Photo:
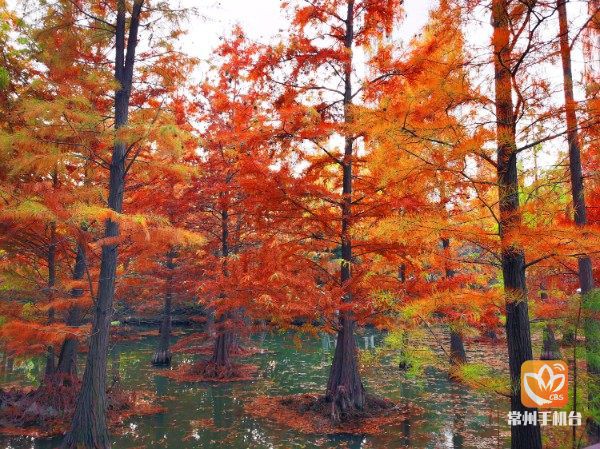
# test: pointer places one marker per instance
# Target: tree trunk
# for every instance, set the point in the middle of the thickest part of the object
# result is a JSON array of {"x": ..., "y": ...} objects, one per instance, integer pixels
[
  {"x": 162, "y": 356},
  {"x": 586, "y": 278},
  {"x": 221, "y": 349},
  {"x": 513, "y": 259},
  {"x": 51, "y": 259},
  {"x": 67, "y": 360},
  {"x": 89, "y": 426},
  {"x": 402, "y": 273},
  {"x": 458, "y": 355},
  {"x": 222, "y": 344},
  {"x": 550, "y": 346},
  {"x": 405, "y": 363},
  {"x": 345, "y": 390}
]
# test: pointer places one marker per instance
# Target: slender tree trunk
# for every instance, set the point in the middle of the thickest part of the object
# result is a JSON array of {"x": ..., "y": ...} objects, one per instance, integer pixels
[
  {"x": 89, "y": 426},
  {"x": 550, "y": 346},
  {"x": 162, "y": 356},
  {"x": 458, "y": 355},
  {"x": 586, "y": 277},
  {"x": 222, "y": 343},
  {"x": 51, "y": 259},
  {"x": 345, "y": 390},
  {"x": 67, "y": 360},
  {"x": 513, "y": 259},
  {"x": 402, "y": 273},
  {"x": 404, "y": 364}
]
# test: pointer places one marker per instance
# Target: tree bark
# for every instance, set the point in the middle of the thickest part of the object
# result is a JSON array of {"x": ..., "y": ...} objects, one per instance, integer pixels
[
  {"x": 67, "y": 360},
  {"x": 222, "y": 344},
  {"x": 550, "y": 346},
  {"x": 585, "y": 272},
  {"x": 162, "y": 356},
  {"x": 89, "y": 427},
  {"x": 458, "y": 355},
  {"x": 221, "y": 349},
  {"x": 345, "y": 390},
  {"x": 51, "y": 259},
  {"x": 513, "y": 259}
]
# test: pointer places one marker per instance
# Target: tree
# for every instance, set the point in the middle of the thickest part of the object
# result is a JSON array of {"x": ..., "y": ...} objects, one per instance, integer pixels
[
  {"x": 57, "y": 123},
  {"x": 423, "y": 150},
  {"x": 120, "y": 26},
  {"x": 513, "y": 258},
  {"x": 235, "y": 135},
  {"x": 318, "y": 88},
  {"x": 89, "y": 422},
  {"x": 585, "y": 272},
  {"x": 160, "y": 262}
]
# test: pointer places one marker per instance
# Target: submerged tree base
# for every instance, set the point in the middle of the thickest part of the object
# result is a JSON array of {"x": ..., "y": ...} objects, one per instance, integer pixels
[
  {"x": 197, "y": 344},
  {"x": 207, "y": 371},
  {"x": 46, "y": 411},
  {"x": 311, "y": 413},
  {"x": 208, "y": 349},
  {"x": 161, "y": 358}
]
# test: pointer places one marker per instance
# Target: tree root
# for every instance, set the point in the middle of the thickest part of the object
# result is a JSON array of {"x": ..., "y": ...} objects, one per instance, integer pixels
[
  {"x": 161, "y": 358},
  {"x": 47, "y": 410},
  {"x": 207, "y": 371},
  {"x": 311, "y": 413}
]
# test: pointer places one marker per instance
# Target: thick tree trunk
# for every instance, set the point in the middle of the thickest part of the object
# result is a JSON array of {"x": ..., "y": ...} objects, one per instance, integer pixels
[
  {"x": 586, "y": 278},
  {"x": 89, "y": 426},
  {"x": 162, "y": 356},
  {"x": 345, "y": 390},
  {"x": 513, "y": 259},
  {"x": 221, "y": 349},
  {"x": 67, "y": 360}
]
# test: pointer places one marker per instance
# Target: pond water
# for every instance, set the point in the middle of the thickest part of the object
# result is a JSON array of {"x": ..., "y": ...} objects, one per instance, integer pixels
[{"x": 212, "y": 416}]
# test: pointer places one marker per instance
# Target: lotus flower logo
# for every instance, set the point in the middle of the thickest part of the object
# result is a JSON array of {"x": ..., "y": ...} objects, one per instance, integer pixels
[{"x": 544, "y": 383}]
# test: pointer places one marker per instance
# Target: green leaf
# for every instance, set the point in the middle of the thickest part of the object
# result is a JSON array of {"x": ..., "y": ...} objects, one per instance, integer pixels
[{"x": 4, "y": 78}]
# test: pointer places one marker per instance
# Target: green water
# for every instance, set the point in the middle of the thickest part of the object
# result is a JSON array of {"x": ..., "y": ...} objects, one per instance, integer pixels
[{"x": 212, "y": 416}]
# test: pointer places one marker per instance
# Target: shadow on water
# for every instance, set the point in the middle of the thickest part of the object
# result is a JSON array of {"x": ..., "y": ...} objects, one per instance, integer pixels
[{"x": 211, "y": 416}]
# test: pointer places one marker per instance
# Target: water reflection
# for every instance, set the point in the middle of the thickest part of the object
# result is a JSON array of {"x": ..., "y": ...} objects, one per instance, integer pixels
[{"x": 211, "y": 416}]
